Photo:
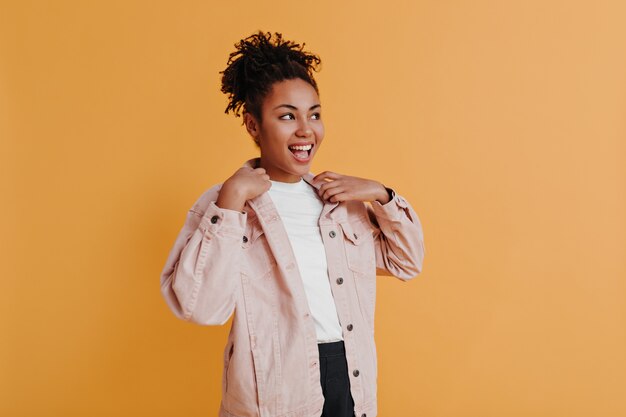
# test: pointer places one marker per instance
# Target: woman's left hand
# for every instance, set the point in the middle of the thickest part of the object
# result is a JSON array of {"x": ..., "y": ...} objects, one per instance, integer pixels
[{"x": 337, "y": 187}]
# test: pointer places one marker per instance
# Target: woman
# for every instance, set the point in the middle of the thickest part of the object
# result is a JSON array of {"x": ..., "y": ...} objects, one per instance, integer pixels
[{"x": 292, "y": 255}]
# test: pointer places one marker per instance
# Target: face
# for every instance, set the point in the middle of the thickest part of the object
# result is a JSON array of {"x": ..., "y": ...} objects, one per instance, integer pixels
[{"x": 291, "y": 129}]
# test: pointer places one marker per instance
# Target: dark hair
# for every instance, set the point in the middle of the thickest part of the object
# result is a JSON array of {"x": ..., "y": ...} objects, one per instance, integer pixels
[{"x": 258, "y": 63}]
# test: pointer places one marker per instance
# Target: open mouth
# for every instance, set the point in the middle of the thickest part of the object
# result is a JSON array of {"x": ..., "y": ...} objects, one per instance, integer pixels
[{"x": 301, "y": 152}]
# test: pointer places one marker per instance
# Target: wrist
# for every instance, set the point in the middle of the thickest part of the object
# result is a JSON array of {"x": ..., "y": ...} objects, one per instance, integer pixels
[
  {"x": 385, "y": 195},
  {"x": 230, "y": 198}
]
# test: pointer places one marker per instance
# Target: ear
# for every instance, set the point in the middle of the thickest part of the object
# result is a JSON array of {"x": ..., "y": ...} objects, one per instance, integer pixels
[{"x": 252, "y": 126}]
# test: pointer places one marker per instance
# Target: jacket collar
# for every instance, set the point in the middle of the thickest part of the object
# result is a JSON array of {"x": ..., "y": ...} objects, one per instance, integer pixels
[
  {"x": 263, "y": 203},
  {"x": 308, "y": 177}
]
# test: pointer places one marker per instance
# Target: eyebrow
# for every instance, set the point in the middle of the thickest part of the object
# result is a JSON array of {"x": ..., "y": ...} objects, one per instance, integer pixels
[{"x": 292, "y": 107}]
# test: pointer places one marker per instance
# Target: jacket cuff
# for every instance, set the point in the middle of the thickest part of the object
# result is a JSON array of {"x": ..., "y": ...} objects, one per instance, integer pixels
[
  {"x": 392, "y": 210},
  {"x": 217, "y": 220}
]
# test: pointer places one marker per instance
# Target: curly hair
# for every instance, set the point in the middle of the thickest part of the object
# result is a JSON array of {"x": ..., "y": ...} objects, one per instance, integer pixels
[{"x": 260, "y": 61}]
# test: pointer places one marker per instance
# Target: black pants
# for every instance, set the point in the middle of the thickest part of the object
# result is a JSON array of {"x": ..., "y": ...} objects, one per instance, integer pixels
[{"x": 335, "y": 381}]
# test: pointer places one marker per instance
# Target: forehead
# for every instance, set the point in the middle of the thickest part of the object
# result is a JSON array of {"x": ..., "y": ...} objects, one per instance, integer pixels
[{"x": 296, "y": 92}]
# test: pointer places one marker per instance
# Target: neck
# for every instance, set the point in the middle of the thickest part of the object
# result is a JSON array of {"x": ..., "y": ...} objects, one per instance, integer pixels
[{"x": 277, "y": 174}]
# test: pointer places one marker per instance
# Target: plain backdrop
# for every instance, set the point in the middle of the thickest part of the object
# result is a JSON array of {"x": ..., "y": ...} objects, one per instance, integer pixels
[{"x": 502, "y": 122}]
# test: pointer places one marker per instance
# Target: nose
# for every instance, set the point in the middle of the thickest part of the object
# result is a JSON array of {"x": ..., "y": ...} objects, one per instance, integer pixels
[{"x": 304, "y": 130}]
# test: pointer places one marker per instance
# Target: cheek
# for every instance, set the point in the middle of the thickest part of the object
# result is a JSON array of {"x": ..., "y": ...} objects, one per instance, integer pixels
[
  {"x": 275, "y": 138},
  {"x": 319, "y": 132}
]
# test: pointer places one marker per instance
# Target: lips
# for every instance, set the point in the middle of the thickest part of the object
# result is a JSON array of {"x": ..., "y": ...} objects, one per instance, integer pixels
[{"x": 301, "y": 151}]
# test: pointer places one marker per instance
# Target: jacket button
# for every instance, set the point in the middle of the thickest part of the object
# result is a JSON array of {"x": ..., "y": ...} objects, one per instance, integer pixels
[
  {"x": 363, "y": 415},
  {"x": 339, "y": 280},
  {"x": 332, "y": 233},
  {"x": 245, "y": 239},
  {"x": 214, "y": 219},
  {"x": 355, "y": 372},
  {"x": 349, "y": 327}
]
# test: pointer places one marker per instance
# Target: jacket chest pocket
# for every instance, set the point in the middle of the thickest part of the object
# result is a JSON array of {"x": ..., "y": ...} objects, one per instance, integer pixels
[
  {"x": 257, "y": 258},
  {"x": 359, "y": 245}
]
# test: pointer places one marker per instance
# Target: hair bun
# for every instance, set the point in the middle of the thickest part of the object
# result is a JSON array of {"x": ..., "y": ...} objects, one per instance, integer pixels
[{"x": 259, "y": 61}]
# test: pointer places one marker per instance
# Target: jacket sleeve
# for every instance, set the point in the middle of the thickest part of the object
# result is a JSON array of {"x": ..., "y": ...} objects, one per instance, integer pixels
[
  {"x": 200, "y": 276},
  {"x": 400, "y": 242}
]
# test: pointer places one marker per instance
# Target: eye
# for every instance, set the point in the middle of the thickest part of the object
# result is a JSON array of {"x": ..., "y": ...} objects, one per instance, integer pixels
[
  {"x": 316, "y": 116},
  {"x": 288, "y": 116}
]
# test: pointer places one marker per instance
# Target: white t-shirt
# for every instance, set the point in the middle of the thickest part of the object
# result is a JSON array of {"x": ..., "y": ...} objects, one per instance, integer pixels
[{"x": 300, "y": 207}]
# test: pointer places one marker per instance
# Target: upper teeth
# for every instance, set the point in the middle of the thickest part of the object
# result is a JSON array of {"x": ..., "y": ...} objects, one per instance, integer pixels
[{"x": 301, "y": 147}]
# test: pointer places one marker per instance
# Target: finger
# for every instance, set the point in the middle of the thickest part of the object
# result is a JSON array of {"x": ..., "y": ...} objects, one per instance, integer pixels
[
  {"x": 328, "y": 185},
  {"x": 337, "y": 198},
  {"x": 333, "y": 191},
  {"x": 327, "y": 174},
  {"x": 259, "y": 170}
]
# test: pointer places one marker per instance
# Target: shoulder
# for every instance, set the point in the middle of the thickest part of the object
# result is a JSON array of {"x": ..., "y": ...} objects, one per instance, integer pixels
[{"x": 202, "y": 203}]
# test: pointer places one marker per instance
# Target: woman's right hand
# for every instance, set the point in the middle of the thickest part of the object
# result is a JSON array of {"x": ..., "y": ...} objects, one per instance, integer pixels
[{"x": 245, "y": 184}]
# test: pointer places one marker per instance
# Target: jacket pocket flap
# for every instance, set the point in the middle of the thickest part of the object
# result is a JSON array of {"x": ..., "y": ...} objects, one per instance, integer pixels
[{"x": 356, "y": 232}]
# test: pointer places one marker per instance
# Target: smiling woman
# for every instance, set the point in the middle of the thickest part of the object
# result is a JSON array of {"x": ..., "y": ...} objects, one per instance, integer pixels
[
  {"x": 291, "y": 130},
  {"x": 272, "y": 80},
  {"x": 293, "y": 256}
]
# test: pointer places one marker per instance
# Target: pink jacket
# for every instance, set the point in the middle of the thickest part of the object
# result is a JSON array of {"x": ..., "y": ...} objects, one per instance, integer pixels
[{"x": 225, "y": 261}]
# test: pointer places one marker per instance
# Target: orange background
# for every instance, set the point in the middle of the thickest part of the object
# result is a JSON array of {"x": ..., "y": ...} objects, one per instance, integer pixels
[{"x": 502, "y": 122}]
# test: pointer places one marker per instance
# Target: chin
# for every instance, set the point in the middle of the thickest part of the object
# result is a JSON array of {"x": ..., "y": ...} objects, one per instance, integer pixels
[{"x": 303, "y": 169}]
